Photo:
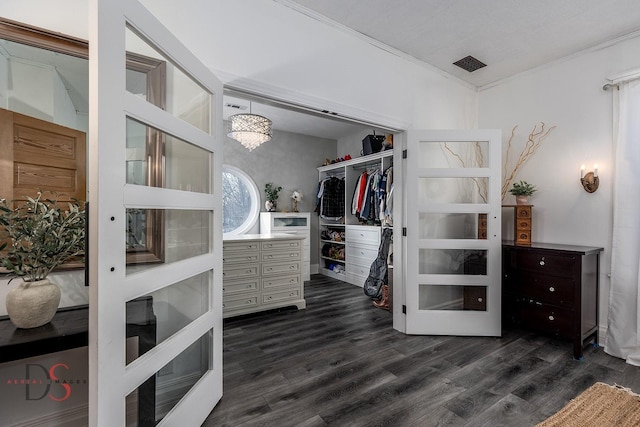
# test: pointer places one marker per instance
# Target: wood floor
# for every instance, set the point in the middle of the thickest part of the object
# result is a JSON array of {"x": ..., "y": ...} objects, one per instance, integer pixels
[{"x": 339, "y": 362}]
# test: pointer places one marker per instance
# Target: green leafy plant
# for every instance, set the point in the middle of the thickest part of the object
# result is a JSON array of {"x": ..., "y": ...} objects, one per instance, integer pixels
[
  {"x": 271, "y": 191},
  {"x": 38, "y": 236},
  {"x": 522, "y": 188}
]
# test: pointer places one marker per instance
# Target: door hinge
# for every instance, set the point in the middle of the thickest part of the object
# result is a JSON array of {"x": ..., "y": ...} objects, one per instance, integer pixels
[
  {"x": 404, "y": 154},
  {"x": 404, "y": 309},
  {"x": 404, "y": 231}
]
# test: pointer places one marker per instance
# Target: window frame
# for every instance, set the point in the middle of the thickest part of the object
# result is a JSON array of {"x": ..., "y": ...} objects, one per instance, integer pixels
[{"x": 254, "y": 214}]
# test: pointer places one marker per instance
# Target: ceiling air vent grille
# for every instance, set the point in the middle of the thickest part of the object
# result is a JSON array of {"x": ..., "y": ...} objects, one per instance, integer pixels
[{"x": 470, "y": 64}]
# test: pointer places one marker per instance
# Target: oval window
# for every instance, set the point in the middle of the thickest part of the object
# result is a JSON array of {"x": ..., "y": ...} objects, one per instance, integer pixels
[{"x": 240, "y": 201}]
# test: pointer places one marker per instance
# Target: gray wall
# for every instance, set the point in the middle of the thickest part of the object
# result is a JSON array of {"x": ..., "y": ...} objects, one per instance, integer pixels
[{"x": 289, "y": 160}]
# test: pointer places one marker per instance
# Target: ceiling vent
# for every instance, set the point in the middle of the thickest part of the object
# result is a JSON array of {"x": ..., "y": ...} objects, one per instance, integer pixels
[
  {"x": 469, "y": 64},
  {"x": 235, "y": 106}
]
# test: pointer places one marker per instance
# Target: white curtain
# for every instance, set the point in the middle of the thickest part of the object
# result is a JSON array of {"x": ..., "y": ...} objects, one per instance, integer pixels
[{"x": 623, "y": 336}]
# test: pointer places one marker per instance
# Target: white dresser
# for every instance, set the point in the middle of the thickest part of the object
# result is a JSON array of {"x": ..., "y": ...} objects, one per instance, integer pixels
[
  {"x": 293, "y": 223},
  {"x": 262, "y": 272}
]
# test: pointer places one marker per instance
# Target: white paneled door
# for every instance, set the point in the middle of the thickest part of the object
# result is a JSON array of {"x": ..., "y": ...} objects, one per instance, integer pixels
[
  {"x": 453, "y": 236},
  {"x": 155, "y": 340}
]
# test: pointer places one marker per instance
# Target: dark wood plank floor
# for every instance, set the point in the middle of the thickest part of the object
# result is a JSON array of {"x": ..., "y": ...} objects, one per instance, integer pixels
[{"x": 339, "y": 362}]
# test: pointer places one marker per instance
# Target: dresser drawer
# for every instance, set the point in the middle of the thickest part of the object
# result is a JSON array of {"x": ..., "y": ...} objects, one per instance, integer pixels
[
  {"x": 361, "y": 252},
  {"x": 557, "y": 265},
  {"x": 362, "y": 234},
  {"x": 281, "y": 245},
  {"x": 242, "y": 286},
  {"x": 229, "y": 258},
  {"x": 239, "y": 271},
  {"x": 280, "y": 256},
  {"x": 279, "y": 282},
  {"x": 238, "y": 302},
  {"x": 551, "y": 289},
  {"x": 281, "y": 267},
  {"x": 358, "y": 270},
  {"x": 234, "y": 247},
  {"x": 542, "y": 317},
  {"x": 280, "y": 296}
]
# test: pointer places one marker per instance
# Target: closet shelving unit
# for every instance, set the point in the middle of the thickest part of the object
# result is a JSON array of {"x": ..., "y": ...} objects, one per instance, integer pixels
[{"x": 360, "y": 243}]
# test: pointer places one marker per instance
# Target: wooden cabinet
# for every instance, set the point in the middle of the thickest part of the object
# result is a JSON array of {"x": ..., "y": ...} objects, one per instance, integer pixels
[
  {"x": 262, "y": 272},
  {"x": 292, "y": 223},
  {"x": 553, "y": 289}
]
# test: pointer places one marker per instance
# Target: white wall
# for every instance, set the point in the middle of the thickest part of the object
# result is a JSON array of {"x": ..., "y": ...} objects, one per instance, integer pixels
[{"x": 569, "y": 95}]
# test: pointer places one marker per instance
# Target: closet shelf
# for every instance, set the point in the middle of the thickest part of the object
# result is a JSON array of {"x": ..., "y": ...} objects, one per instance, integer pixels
[
  {"x": 333, "y": 241},
  {"x": 332, "y": 259}
]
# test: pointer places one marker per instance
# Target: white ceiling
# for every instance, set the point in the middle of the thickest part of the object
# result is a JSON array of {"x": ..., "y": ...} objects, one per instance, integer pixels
[{"x": 510, "y": 36}]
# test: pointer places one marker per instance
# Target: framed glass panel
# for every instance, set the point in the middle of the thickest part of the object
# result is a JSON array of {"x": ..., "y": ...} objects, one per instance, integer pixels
[
  {"x": 453, "y": 297},
  {"x": 184, "y": 166},
  {"x": 185, "y": 98},
  {"x": 164, "y": 312},
  {"x": 186, "y": 235},
  {"x": 453, "y": 154},
  {"x": 149, "y": 403},
  {"x": 452, "y": 261},
  {"x": 452, "y": 226},
  {"x": 452, "y": 190}
]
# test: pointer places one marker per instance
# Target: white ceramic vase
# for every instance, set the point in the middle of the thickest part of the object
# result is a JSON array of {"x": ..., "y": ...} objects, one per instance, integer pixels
[{"x": 33, "y": 304}]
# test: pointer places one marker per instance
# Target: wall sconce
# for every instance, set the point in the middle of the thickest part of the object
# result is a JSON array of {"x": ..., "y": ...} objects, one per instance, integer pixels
[{"x": 590, "y": 180}]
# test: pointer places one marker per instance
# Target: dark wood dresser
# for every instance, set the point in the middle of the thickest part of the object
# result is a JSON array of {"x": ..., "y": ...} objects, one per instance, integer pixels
[{"x": 552, "y": 288}]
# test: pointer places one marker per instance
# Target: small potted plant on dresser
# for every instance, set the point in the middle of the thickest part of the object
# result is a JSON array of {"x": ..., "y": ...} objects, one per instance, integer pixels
[
  {"x": 271, "y": 193},
  {"x": 522, "y": 190},
  {"x": 37, "y": 236}
]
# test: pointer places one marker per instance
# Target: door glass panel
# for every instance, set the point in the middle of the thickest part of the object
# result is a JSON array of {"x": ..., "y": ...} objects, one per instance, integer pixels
[
  {"x": 185, "y": 98},
  {"x": 157, "y": 159},
  {"x": 452, "y": 261},
  {"x": 452, "y": 226},
  {"x": 150, "y": 402},
  {"x": 186, "y": 235},
  {"x": 453, "y": 154},
  {"x": 289, "y": 222},
  {"x": 448, "y": 297},
  {"x": 452, "y": 190},
  {"x": 158, "y": 315}
]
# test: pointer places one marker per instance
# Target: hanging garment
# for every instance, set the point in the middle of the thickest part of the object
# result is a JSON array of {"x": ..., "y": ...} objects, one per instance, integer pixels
[
  {"x": 331, "y": 197},
  {"x": 379, "y": 271}
]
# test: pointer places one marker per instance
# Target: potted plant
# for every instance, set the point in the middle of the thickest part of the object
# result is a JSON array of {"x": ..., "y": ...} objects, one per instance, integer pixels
[
  {"x": 522, "y": 190},
  {"x": 37, "y": 236},
  {"x": 271, "y": 193}
]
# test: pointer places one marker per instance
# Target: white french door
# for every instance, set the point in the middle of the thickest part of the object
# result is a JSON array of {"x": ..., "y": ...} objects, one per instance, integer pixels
[
  {"x": 453, "y": 235},
  {"x": 155, "y": 238}
]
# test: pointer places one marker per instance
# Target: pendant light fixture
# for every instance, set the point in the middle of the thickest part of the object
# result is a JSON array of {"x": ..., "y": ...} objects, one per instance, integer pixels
[{"x": 250, "y": 130}]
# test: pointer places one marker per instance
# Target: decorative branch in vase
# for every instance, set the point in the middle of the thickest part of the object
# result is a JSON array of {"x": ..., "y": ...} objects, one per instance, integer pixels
[{"x": 476, "y": 158}]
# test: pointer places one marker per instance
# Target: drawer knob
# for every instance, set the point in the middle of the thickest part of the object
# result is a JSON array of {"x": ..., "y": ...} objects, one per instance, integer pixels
[
  {"x": 222, "y": 289},
  {"x": 542, "y": 262},
  {"x": 270, "y": 298},
  {"x": 248, "y": 287},
  {"x": 479, "y": 299},
  {"x": 292, "y": 244},
  {"x": 291, "y": 267},
  {"x": 552, "y": 289},
  {"x": 248, "y": 271},
  {"x": 270, "y": 269},
  {"x": 551, "y": 318},
  {"x": 248, "y": 301}
]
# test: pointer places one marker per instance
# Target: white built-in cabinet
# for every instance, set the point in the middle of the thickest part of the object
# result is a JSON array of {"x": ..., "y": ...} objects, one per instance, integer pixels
[
  {"x": 346, "y": 246},
  {"x": 293, "y": 223}
]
